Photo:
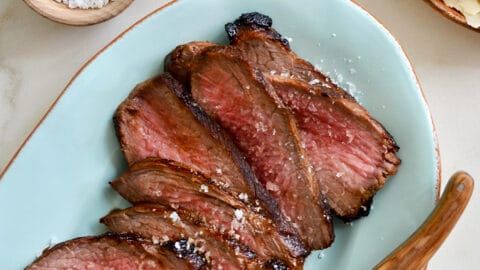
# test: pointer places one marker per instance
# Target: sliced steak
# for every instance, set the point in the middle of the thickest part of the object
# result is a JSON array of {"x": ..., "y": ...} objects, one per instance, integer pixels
[
  {"x": 154, "y": 122},
  {"x": 146, "y": 128},
  {"x": 351, "y": 153},
  {"x": 234, "y": 220},
  {"x": 163, "y": 225},
  {"x": 262, "y": 198},
  {"x": 229, "y": 90},
  {"x": 348, "y": 185},
  {"x": 107, "y": 252}
]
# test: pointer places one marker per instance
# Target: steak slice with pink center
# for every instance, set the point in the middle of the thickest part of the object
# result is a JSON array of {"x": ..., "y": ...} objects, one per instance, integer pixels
[{"x": 234, "y": 95}]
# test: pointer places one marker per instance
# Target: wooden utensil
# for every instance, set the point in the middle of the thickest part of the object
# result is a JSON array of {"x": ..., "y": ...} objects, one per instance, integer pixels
[
  {"x": 420, "y": 247},
  {"x": 61, "y": 13},
  {"x": 450, "y": 13}
]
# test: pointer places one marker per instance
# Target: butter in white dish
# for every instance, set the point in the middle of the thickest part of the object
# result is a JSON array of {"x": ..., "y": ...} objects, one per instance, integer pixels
[{"x": 469, "y": 8}]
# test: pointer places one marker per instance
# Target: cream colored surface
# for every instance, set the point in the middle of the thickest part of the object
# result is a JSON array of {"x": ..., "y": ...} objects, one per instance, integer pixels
[{"x": 38, "y": 57}]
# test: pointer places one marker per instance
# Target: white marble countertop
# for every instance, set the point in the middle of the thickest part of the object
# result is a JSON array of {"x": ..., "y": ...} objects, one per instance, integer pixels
[{"x": 38, "y": 57}]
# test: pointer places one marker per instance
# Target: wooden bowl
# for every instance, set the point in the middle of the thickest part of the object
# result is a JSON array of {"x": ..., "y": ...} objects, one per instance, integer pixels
[
  {"x": 451, "y": 13},
  {"x": 60, "y": 12}
]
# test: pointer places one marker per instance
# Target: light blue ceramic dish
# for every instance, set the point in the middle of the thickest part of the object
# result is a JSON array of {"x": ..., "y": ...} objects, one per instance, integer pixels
[{"x": 57, "y": 186}]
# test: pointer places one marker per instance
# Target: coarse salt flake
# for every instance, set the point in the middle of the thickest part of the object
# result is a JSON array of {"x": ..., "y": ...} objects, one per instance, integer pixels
[
  {"x": 314, "y": 81},
  {"x": 320, "y": 255},
  {"x": 204, "y": 188},
  {"x": 238, "y": 214},
  {"x": 174, "y": 216},
  {"x": 243, "y": 196},
  {"x": 272, "y": 187}
]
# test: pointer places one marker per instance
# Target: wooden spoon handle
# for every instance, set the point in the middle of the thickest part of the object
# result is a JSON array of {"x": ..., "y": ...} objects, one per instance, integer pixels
[{"x": 420, "y": 247}]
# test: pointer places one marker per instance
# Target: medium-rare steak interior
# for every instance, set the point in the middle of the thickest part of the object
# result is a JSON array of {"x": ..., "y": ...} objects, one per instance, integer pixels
[
  {"x": 350, "y": 152},
  {"x": 231, "y": 93}
]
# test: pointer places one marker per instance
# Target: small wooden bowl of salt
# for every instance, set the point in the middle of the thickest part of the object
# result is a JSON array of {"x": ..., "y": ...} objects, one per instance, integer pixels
[{"x": 78, "y": 12}]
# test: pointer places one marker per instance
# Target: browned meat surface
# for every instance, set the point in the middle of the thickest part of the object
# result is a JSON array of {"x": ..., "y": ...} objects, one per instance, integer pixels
[
  {"x": 179, "y": 61},
  {"x": 232, "y": 218},
  {"x": 107, "y": 252},
  {"x": 155, "y": 174},
  {"x": 154, "y": 122},
  {"x": 164, "y": 226},
  {"x": 351, "y": 153},
  {"x": 232, "y": 94}
]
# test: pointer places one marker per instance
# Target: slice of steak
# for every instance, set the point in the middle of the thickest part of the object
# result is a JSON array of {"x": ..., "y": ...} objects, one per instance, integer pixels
[
  {"x": 351, "y": 153},
  {"x": 230, "y": 218},
  {"x": 229, "y": 90},
  {"x": 154, "y": 122},
  {"x": 179, "y": 61},
  {"x": 164, "y": 226},
  {"x": 156, "y": 173},
  {"x": 107, "y": 252},
  {"x": 264, "y": 48}
]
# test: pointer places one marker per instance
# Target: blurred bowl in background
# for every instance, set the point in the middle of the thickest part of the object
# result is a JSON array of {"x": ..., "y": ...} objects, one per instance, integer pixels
[
  {"x": 451, "y": 13},
  {"x": 61, "y": 13}
]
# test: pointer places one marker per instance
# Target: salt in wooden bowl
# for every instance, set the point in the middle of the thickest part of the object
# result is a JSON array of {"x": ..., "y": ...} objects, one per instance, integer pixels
[{"x": 60, "y": 12}]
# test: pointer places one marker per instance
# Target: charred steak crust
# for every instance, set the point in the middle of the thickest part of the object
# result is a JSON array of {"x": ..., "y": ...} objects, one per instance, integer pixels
[
  {"x": 257, "y": 21},
  {"x": 108, "y": 251},
  {"x": 237, "y": 97}
]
